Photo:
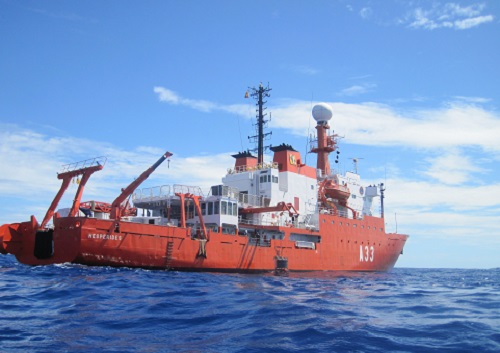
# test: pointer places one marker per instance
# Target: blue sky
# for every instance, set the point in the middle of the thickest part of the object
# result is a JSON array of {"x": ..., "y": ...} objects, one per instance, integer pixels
[{"x": 413, "y": 85}]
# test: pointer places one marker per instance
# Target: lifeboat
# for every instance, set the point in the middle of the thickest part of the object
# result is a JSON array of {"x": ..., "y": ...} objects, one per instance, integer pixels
[
  {"x": 337, "y": 192},
  {"x": 332, "y": 190}
]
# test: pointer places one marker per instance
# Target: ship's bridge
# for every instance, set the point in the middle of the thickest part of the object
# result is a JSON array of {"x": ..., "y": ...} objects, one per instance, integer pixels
[{"x": 284, "y": 180}]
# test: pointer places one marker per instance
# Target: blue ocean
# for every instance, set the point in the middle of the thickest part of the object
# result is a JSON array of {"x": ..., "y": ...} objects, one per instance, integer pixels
[{"x": 73, "y": 308}]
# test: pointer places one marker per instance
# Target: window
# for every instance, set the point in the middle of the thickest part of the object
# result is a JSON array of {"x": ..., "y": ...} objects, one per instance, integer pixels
[
  {"x": 235, "y": 209},
  {"x": 203, "y": 208},
  {"x": 275, "y": 179},
  {"x": 210, "y": 208},
  {"x": 216, "y": 207},
  {"x": 223, "y": 208}
]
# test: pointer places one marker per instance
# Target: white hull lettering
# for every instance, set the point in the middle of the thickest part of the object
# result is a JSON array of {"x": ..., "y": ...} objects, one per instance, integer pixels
[
  {"x": 366, "y": 254},
  {"x": 104, "y": 236}
]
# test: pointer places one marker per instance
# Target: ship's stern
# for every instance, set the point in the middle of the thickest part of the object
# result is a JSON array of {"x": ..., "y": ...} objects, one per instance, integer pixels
[{"x": 41, "y": 246}]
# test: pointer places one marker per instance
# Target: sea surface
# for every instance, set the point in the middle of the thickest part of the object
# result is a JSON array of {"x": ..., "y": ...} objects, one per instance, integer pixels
[{"x": 73, "y": 308}]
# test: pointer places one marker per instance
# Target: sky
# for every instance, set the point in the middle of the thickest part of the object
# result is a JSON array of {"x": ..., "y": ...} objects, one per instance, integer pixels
[{"x": 413, "y": 86}]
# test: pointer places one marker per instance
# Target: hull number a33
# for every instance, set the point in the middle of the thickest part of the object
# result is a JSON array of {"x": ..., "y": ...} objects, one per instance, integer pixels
[{"x": 366, "y": 253}]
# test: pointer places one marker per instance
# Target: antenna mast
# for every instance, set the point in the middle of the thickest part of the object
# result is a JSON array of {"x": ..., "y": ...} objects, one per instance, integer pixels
[
  {"x": 355, "y": 163},
  {"x": 259, "y": 94},
  {"x": 382, "y": 189}
]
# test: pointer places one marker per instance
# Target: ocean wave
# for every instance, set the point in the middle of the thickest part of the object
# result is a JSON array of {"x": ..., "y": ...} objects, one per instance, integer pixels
[{"x": 79, "y": 308}]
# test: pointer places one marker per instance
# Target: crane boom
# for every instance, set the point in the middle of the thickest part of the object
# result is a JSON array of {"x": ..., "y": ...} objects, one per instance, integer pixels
[{"x": 115, "y": 206}]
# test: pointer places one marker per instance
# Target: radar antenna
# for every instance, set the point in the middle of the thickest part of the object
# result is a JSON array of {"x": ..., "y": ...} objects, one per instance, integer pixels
[{"x": 355, "y": 162}]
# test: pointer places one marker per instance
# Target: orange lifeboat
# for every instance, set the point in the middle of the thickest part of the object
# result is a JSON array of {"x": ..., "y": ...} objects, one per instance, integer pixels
[{"x": 337, "y": 192}]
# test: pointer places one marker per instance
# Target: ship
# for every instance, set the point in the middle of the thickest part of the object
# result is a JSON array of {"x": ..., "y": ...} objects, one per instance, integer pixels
[{"x": 276, "y": 216}]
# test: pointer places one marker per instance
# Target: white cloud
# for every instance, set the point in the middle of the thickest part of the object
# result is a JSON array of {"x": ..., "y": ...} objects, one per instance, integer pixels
[
  {"x": 437, "y": 212},
  {"x": 472, "y": 99},
  {"x": 409, "y": 193},
  {"x": 365, "y": 12},
  {"x": 166, "y": 95},
  {"x": 69, "y": 16},
  {"x": 455, "y": 125},
  {"x": 380, "y": 125},
  {"x": 169, "y": 96},
  {"x": 472, "y": 22},
  {"x": 358, "y": 89},
  {"x": 449, "y": 15},
  {"x": 452, "y": 168},
  {"x": 304, "y": 69}
]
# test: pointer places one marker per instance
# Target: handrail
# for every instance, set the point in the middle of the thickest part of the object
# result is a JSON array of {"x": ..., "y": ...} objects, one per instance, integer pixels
[
  {"x": 91, "y": 162},
  {"x": 153, "y": 193},
  {"x": 85, "y": 168},
  {"x": 186, "y": 189},
  {"x": 245, "y": 168}
]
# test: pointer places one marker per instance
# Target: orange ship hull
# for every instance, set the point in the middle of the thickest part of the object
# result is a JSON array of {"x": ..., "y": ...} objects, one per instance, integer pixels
[{"x": 101, "y": 242}]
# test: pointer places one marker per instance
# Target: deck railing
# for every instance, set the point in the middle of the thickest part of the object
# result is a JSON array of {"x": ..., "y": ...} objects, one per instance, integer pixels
[{"x": 91, "y": 162}]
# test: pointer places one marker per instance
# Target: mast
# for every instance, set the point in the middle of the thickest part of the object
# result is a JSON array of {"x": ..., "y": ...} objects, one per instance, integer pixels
[
  {"x": 325, "y": 143},
  {"x": 259, "y": 94},
  {"x": 382, "y": 189}
]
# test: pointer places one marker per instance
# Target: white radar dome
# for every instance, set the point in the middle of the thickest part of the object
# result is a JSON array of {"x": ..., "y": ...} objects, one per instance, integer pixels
[{"x": 322, "y": 112}]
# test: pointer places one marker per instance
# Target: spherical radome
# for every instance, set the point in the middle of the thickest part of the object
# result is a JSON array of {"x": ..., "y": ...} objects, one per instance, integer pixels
[{"x": 322, "y": 112}]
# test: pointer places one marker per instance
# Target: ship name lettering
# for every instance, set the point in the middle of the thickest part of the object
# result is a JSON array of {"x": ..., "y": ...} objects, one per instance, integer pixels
[
  {"x": 104, "y": 236},
  {"x": 366, "y": 254}
]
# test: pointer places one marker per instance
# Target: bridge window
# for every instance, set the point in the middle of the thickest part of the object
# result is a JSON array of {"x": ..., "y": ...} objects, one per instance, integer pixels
[
  {"x": 223, "y": 208},
  {"x": 230, "y": 208},
  {"x": 210, "y": 208},
  {"x": 267, "y": 179}
]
